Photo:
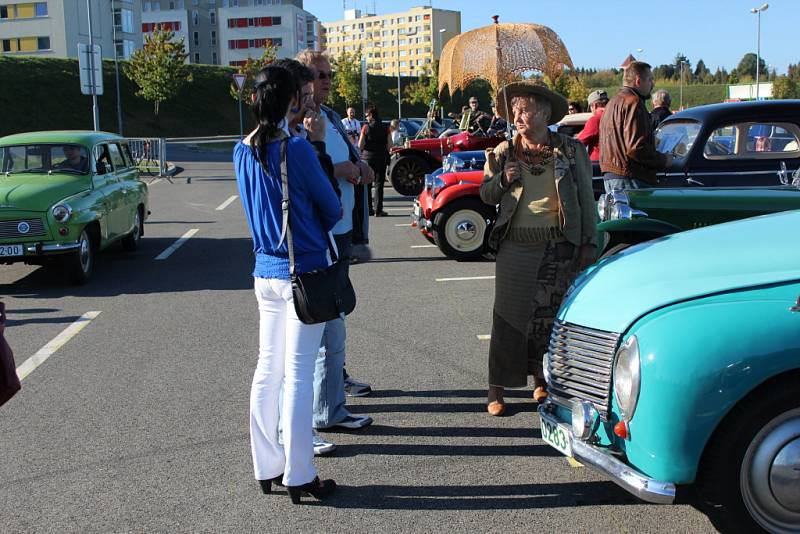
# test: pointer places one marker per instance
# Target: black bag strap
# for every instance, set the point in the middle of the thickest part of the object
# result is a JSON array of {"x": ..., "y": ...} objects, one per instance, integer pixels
[{"x": 286, "y": 229}]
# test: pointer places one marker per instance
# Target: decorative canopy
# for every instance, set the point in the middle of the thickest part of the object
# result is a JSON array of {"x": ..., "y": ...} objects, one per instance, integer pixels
[{"x": 500, "y": 53}]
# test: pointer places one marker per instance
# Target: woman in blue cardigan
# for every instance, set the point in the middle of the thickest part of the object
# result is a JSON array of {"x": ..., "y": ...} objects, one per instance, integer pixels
[{"x": 287, "y": 347}]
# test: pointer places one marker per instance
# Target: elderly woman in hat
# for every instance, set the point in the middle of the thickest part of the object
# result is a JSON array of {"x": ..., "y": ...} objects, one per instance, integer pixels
[{"x": 544, "y": 235}]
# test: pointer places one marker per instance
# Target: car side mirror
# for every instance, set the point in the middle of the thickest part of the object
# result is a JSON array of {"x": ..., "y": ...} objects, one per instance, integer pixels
[{"x": 101, "y": 168}]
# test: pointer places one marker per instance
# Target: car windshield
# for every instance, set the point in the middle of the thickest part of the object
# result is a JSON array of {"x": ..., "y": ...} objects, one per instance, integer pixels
[
  {"x": 44, "y": 158},
  {"x": 676, "y": 137}
]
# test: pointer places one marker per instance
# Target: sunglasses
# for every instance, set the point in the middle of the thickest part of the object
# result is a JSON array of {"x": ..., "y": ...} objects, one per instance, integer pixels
[{"x": 323, "y": 75}]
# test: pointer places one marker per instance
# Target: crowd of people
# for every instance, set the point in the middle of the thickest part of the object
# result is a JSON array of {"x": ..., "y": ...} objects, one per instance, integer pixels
[{"x": 545, "y": 234}]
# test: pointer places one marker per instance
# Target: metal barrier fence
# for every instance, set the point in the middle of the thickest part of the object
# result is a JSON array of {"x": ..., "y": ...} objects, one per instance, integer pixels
[{"x": 149, "y": 155}]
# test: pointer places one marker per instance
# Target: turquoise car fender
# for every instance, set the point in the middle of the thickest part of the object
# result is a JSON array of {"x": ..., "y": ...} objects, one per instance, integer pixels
[
  {"x": 645, "y": 225},
  {"x": 698, "y": 360}
]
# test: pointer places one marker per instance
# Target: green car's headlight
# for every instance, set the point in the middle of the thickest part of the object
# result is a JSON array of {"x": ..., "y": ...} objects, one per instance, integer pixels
[
  {"x": 627, "y": 377},
  {"x": 62, "y": 213}
]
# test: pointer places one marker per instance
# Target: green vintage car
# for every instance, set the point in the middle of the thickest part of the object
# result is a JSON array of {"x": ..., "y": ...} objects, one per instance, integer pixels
[
  {"x": 65, "y": 196},
  {"x": 638, "y": 215}
]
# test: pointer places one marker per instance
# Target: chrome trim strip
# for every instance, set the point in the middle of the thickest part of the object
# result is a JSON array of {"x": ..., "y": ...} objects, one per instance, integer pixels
[
  {"x": 636, "y": 483},
  {"x": 58, "y": 247},
  {"x": 733, "y": 173}
]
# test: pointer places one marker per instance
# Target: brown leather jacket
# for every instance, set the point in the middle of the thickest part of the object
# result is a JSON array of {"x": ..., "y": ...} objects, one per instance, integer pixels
[{"x": 627, "y": 144}]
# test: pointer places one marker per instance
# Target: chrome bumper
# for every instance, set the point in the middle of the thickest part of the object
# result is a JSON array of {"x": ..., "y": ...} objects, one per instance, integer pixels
[
  {"x": 57, "y": 248},
  {"x": 644, "y": 487},
  {"x": 417, "y": 219}
]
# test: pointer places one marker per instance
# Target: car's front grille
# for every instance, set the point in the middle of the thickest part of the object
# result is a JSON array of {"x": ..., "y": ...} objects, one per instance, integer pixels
[
  {"x": 14, "y": 229},
  {"x": 579, "y": 362}
]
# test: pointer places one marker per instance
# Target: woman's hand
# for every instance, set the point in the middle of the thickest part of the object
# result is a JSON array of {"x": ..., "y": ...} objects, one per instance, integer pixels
[
  {"x": 510, "y": 172},
  {"x": 314, "y": 125}
]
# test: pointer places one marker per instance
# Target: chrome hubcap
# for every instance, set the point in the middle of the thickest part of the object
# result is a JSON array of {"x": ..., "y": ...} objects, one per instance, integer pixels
[
  {"x": 85, "y": 252},
  {"x": 465, "y": 230},
  {"x": 770, "y": 474},
  {"x": 784, "y": 478}
]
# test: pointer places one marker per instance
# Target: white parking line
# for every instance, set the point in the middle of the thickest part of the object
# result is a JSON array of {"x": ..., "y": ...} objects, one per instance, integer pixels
[
  {"x": 399, "y": 209},
  {"x": 154, "y": 182},
  {"x": 484, "y": 337},
  {"x": 177, "y": 244},
  {"x": 227, "y": 203},
  {"x": 461, "y": 279},
  {"x": 423, "y": 246},
  {"x": 56, "y": 343},
  {"x": 398, "y": 225}
]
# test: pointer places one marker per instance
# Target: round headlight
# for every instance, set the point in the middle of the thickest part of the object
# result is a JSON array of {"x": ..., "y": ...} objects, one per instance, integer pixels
[
  {"x": 627, "y": 377},
  {"x": 621, "y": 211},
  {"x": 62, "y": 213},
  {"x": 583, "y": 418},
  {"x": 546, "y": 366}
]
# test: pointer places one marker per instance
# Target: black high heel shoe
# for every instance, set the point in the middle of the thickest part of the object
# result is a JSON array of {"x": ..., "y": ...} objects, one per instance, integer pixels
[
  {"x": 266, "y": 485},
  {"x": 317, "y": 488}
]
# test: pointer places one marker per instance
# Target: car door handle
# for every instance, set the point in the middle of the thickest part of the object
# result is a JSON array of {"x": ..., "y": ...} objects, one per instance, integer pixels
[
  {"x": 692, "y": 181},
  {"x": 796, "y": 307}
]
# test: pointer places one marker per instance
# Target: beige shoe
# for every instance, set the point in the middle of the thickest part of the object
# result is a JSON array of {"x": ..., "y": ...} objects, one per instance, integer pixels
[
  {"x": 496, "y": 408},
  {"x": 540, "y": 394}
]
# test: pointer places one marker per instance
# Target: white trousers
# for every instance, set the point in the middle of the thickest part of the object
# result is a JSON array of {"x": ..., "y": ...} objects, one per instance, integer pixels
[{"x": 287, "y": 354}]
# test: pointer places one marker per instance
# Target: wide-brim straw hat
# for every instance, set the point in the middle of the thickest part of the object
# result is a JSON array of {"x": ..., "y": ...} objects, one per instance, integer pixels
[{"x": 558, "y": 103}]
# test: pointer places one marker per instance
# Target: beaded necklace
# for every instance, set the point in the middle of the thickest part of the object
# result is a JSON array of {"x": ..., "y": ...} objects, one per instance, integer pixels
[{"x": 534, "y": 159}]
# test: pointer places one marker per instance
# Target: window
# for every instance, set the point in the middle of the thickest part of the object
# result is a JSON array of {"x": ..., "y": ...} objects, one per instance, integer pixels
[
  {"x": 212, "y": 16},
  {"x": 196, "y": 39},
  {"x": 677, "y": 138},
  {"x": 43, "y": 43},
  {"x": 116, "y": 156},
  {"x": 40, "y": 9},
  {"x": 172, "y": 5},
  {"x": 195, "y": 2},
  {"x": 195, "y": 17},
  {"x": 214, "y": 60},
  {"x": 6, "y": 45},
  {"x": 3, "y": 12},
  {"x": 213, "y": 38},
  {"x": 197, "y": 57},
  {"x": 156, "y": 6},
  {"x": 417, "y": 18},
  {"x": 752, "y": 140},
  {"x": 402, "y": 63},
  {"x": 123, "y": 20},
  {"x": 402, "y": 53},
  {"x": 145, "y": 6},
  {"x": 103, "y": 159},
  {"x": 276, "y": 21}
]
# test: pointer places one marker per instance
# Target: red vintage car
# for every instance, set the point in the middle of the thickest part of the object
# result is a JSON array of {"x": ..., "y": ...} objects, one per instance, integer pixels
[
  {"x": 410, "y": 163},
  {"x": 449, "y": 211}
]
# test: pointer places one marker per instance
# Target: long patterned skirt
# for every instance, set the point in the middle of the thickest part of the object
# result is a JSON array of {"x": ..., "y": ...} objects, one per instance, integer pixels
[{"x": 531, "y": 279}]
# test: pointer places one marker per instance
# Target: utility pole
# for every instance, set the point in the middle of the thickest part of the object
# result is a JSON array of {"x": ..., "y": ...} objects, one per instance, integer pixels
[{"x": 95, "y": 109}]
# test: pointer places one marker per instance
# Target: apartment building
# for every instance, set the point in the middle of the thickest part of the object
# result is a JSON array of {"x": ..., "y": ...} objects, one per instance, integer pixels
[
  {"x": 407, "y": 42},
  {"x": 246, "y": 26},
  {"x": 193, "y": 20},
  {"x": 53, "y": 28}
]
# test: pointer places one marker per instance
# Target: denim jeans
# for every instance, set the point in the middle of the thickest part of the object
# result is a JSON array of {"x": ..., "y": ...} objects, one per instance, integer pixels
[
  {"x": 615, "y": 182},
  {"x": 329, "y": 398}
]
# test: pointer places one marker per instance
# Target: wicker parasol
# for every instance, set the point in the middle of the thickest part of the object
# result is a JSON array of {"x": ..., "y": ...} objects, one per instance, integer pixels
[{"x": 498, "y": 53}]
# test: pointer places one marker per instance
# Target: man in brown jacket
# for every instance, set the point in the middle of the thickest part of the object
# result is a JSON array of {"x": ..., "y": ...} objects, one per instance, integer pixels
[{"x": 628, "y": 155}]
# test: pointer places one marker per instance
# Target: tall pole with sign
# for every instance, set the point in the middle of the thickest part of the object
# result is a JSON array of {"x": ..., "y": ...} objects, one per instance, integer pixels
[
  {"x": 95, "y": 109},
  {"x": 239, "y": 80}
]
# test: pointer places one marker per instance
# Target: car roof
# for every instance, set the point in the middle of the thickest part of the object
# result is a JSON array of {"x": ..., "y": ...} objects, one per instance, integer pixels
[
  {"x": 768, "y": 109},
  {"x": 78, "y": 137},
  {"x": 574, "y": 119}
]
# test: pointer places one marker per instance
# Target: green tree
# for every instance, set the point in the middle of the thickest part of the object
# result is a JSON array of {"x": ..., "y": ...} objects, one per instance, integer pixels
[
  {"x": 159, "y": 67},
  {"x": 576, "y": 90},
  {"x": 687, "y": 68},
  {"x": 734, "y": 77},
  {"x": 347, "y": 82},
  {"x": 747, "y": 66},
  {"x": 784, "y": 87},
  {"x": 701, "y": 72},
  {"x": 250, "y": 69},
  {"x": 425, "y": 89},
  {"x": 559, "y": 84}
]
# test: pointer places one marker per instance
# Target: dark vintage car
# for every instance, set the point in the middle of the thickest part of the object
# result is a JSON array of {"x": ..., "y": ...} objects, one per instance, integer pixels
[
  {"x": 731, "y": 144},
  {"x": 410, "y": 163}
]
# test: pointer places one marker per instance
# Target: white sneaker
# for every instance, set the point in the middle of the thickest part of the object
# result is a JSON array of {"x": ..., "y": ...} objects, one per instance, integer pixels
[
  {"x": 354, "y": 388},
  {"x": 321, "y": 446}
]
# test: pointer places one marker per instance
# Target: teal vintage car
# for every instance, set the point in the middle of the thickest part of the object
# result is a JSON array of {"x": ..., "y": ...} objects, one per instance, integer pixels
[
  {"x": 65, "y": 196},
  {"x": 637, "y": 215},
  {"x": 674, "y": 366}
]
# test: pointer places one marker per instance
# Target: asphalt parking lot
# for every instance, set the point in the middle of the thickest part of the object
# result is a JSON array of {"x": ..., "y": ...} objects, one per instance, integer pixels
[{"x": 139, "y": 421}]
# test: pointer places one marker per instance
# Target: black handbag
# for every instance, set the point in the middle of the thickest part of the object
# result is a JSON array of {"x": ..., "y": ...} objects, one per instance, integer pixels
[
  {"x": 9, "y": 382},
  {"x": 323, "y": 294}
]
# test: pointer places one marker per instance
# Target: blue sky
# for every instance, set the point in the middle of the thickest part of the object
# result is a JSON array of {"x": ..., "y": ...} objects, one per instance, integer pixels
[{"x": 600, "y": 34}]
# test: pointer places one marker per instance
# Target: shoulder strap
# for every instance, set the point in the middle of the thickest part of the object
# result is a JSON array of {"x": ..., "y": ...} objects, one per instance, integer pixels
[{"x": 286, "y": 232}]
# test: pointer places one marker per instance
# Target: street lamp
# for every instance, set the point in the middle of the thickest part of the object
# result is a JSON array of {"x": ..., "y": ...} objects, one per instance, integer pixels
[
  {"x": 757, "y": 11},
  {"x": 399, "y": 96}
]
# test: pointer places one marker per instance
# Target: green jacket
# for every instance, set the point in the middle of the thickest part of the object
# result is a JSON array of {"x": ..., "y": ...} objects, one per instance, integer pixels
[{"x": 573, "y": 174}]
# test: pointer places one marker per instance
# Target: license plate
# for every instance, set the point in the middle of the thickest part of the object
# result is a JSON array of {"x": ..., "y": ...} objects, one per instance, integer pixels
[
  {"x": 556, "y": 435},
  {"x": 11, "y": 250}
]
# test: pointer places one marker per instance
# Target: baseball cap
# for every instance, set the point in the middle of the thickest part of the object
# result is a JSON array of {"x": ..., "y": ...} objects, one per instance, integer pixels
[{"x": 596, "y": 96}]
